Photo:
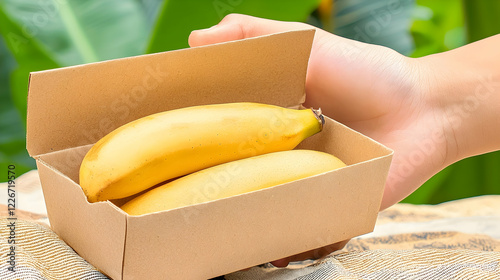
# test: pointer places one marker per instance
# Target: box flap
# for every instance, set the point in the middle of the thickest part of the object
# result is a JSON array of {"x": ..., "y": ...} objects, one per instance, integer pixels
[{"x": 269, "y": 69}]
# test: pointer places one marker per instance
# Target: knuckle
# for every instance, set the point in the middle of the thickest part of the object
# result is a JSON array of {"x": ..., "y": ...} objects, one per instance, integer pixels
[{"x": 232, "y": 18}]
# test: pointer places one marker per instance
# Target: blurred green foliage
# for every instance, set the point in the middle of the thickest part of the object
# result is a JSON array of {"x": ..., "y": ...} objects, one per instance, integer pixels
[
  {"x": 12, "y": 135},
  {"x": 48, "y": 34},
  {"x": 481, "y": 18},
  {"x": 440, "y": 26},
  {"x": 45, "y": 34},
  {"x": 381, "y": 22},
  {"x": 177, "y": 19}
]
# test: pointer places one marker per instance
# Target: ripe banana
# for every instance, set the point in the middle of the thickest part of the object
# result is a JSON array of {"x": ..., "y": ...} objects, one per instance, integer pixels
[
  {"x": 233, "y": 178},
  {"x": 162, "y": 146}
]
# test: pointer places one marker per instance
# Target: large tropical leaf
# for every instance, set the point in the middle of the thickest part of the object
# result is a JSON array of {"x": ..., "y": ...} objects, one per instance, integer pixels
[
  {"x": 438, "y": 26},
  {"x": 12, "y": 134},
  {"x": 28, "y": 52},
  {"x": 49, "y": 34},
  {"x": 481, "y": 18},
  {"x": 82, "y": 31},
  {"x": 474, "y": 176},
  {"x": 151, "y": 9},
  {"x": 178, "y": 18}
]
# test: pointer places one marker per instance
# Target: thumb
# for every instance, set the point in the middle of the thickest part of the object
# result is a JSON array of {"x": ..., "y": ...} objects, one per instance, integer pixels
[{"x": 237, "y": 27}]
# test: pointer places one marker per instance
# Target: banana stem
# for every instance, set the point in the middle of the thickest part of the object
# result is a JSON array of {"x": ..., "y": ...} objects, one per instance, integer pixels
[{"x": 319, "y": 115}]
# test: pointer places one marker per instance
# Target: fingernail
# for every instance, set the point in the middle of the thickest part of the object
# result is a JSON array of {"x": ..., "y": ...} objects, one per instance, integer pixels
[{"x": 280, "y": 263}]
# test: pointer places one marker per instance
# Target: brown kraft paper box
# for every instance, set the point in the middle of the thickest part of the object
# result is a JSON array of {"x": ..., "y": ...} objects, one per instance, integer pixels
[{"x": 71, "y": 108}]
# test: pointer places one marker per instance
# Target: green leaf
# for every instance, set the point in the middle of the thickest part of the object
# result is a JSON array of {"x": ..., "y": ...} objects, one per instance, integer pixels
[
  {"x": 49, "y": 34},
  {"x": 12, "y": 136},
  {"x": 178, "y": 18},
  {"x": 437, "y": 26},
  {"x": 474, "y": 176},
  {"x": 428, "y": 192},
  {"x": 78, "y": 32},
  {"x": 7, "y": 63},
  {"x": 27, "y": 52},
  {"x": 383, "y": 22},
  {"x": 151, "y": 9},
  {"x": 46, "y": 34},
  {"x": 14, "y": 153},
  {"x": 10, "y": 124},
  {"x": 481, "y": 17}
]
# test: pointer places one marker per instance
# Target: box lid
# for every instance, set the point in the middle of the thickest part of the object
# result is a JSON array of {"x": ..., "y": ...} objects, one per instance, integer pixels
[{"x": 65, "y": 110}]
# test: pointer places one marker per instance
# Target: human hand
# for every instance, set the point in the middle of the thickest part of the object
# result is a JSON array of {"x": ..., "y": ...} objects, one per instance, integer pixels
[
  {"x": 369, "y": 88},
  {"x": 372, "y": 89},
  {"x": 401, "y": 102}
]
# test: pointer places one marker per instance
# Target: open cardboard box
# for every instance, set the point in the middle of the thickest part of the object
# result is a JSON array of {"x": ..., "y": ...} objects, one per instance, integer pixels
[{"x": 70, "y": 108}]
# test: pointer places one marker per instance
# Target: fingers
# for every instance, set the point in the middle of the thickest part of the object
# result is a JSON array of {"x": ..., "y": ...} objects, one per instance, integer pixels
[
  {"x": 313, "y": 254},
  {"x": 281, "y": 263},
  {"x": 236, "y": 27}
]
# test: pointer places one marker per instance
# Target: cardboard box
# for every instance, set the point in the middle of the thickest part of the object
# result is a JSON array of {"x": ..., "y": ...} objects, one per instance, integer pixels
[{"x": 69, "y": 109}]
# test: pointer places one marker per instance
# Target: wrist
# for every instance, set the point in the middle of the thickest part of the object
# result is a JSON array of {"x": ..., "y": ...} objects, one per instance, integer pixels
[
  {"x": 437, "y": 82},
  {"x": 460, "y": 88}
]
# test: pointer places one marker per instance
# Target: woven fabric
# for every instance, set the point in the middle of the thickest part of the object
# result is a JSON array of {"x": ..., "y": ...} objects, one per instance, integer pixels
[
  {"x": 442, "y": 258},
  {"x": 454, "y": 240},
  {"x": 41, "y": 254},
  {"x": 389, "y": 264}
]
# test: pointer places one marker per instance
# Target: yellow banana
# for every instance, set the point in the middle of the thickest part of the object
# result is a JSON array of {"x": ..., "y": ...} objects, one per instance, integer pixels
[
  {"x": 162, "y": 146},
  {"x": 233, "y": 178}
]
